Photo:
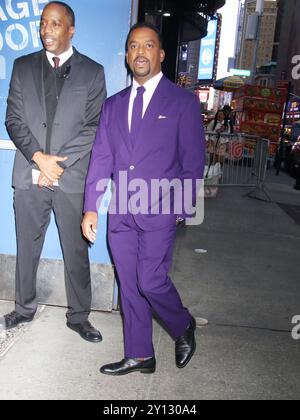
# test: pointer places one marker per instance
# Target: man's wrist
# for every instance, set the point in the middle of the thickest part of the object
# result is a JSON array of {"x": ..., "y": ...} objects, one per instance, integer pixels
[
  {"x": 36, "y": 158},
  {"x": 91, "y": 212}
]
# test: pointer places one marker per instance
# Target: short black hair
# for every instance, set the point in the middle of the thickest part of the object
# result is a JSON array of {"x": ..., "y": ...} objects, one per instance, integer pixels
[
  {"x": 142, "y": 25},
  {"x": 69, "y": 10}
]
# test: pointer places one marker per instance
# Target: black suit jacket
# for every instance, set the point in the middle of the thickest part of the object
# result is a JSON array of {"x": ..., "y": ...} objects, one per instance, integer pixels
[{"x": 75, "y": 121}]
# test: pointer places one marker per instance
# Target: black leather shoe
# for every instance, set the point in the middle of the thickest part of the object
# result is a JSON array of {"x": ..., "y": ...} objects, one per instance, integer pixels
[
  {"x": 128, "y": 366},
  {"x": 185, "y": 345},
  {"x": 13, "y": 319},
  {"x": 86, "y": 331}
]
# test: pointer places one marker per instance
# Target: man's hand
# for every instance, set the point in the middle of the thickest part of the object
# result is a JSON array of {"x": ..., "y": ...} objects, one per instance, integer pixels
[
  {"x": 89, "y": 226},
  {"x": 43, "y": 181},
  {"x": 179, "y": 220},
  {"x": 48, "y": 165}
]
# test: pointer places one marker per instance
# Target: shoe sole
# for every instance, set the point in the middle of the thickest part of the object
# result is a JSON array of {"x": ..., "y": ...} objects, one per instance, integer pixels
[
  {"x": 85, "y": 338},
  {"x": 143, "y": 371},
  {"x": 20, "y": 323}
]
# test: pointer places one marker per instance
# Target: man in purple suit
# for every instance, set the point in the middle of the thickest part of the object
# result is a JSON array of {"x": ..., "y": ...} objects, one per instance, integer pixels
[{"x": 150, "y": 131}]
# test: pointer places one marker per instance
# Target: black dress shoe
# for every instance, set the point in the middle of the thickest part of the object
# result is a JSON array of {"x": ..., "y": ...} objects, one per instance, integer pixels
[
  {"x": 130, "y": 365},
  {"x": 185, "y": 345},
  {"x": 86, "y": 331},
  {"x": 13, "y": 319}
]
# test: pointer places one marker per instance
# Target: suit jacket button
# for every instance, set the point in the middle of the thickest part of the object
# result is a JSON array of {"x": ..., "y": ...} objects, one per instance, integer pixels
[
  {"x": 44, "y": 125},
  {"x": 132, "y": 168}
]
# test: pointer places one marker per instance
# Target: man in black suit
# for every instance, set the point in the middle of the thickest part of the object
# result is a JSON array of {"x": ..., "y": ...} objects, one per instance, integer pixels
[{"x": 53, "y": 111}]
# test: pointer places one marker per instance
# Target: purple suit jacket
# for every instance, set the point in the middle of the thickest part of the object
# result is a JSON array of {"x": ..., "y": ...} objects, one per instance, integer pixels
[{"x": 170, "y": 145}]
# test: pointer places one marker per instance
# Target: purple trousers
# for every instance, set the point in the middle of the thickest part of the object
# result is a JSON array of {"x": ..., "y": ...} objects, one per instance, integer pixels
[{"x": 143, "y": 260}]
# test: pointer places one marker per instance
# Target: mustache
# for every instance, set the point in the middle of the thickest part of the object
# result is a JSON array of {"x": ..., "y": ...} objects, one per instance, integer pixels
[{"x": 141, "y": 57}]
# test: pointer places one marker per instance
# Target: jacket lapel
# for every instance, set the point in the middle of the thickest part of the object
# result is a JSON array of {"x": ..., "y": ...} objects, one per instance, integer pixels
[
  {"x": 38, "y": 70},
  {"x": 157, "y": 104},
  {"x": 122, "y": 116},
  {"x": 156, "y": 107},
  {"x": 75, "y": 68},
  {"x": 37, "y": 73}
]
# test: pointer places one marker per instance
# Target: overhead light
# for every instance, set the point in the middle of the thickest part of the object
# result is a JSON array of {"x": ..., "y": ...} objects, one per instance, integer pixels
[{"x": 167, "y": 14}]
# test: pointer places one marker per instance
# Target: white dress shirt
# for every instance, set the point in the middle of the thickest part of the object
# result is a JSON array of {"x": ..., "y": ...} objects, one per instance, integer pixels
[
  {"x": 150, "y": 87},
  {"x": 62, "y": 57}
]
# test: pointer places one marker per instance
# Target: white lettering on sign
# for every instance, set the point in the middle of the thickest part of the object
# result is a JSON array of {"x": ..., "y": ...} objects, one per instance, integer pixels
[
  {"x": 22, "y": 9},
  {"x": 296, "y": 69},
  {"x": 296, "y": 329},
  {"x": 19, "y": 33}
]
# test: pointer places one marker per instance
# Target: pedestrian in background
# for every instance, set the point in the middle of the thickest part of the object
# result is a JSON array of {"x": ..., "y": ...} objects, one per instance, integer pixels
[
  {"x": 228, "y": 118},
  {"x": 219, "y": 124},
  {"x": 217, "y": 144}
]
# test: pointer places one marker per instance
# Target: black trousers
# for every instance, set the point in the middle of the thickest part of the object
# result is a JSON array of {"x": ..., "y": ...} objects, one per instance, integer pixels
[{"x": 33, "y": 210}]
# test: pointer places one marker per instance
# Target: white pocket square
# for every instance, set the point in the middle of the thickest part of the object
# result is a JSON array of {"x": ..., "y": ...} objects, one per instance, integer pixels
[{"x": 162, "y": 117}]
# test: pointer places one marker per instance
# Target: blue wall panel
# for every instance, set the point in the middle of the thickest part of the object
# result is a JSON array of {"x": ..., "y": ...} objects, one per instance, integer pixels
[
  {"x": 7, "y": 226},
  {"x": 101, "y": 30}
]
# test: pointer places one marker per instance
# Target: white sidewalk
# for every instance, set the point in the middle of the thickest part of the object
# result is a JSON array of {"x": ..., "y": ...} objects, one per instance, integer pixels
[{"x": 247, "y": 285}]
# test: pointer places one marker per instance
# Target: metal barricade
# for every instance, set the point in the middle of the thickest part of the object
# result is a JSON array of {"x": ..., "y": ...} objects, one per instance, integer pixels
[{"x": 236, "y": 160}]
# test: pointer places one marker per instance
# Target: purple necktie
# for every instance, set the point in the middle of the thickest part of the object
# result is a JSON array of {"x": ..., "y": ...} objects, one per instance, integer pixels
[
  {"x": 137, "y": 113},
  {"x": 56, "y": 61}
]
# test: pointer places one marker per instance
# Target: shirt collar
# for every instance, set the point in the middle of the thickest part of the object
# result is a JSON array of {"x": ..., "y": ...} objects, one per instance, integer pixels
[
  {"x": 63, "y": 57},
  {"x": 150, "y": 85}
]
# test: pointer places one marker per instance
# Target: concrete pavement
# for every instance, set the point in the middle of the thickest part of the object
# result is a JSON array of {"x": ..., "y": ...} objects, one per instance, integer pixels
[{"x": 246, "y": 285}]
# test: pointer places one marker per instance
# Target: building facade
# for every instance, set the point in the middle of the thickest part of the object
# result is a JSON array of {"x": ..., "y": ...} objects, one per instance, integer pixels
[
  {"x": 266, "y": 35},
  {"x": 180, "y": 22}
]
